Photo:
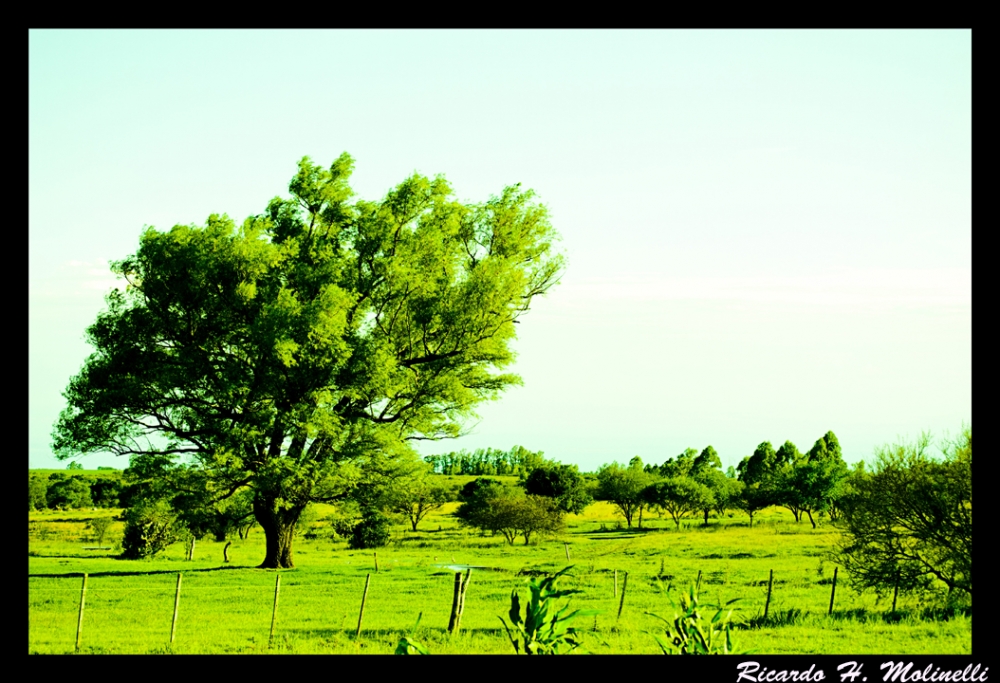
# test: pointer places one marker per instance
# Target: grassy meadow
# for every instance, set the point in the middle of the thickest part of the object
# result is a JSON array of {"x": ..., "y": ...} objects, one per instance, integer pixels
[{"x": 227, "y": 608}]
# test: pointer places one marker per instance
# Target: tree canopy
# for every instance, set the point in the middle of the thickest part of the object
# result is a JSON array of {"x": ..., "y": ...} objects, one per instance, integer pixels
[
  {"x": 908, "y": 523},
  {"x": 300, "y": 352}
]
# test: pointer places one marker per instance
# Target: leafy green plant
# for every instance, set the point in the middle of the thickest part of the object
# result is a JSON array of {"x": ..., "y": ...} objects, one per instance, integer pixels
[
  {"x": 409, "y": 645},
  {"x": 543, "y": 630},
  {"x": 691, "y": 634}
]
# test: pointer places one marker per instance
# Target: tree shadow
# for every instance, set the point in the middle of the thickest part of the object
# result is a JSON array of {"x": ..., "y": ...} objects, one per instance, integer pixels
[{"x": 151, "y": 572}]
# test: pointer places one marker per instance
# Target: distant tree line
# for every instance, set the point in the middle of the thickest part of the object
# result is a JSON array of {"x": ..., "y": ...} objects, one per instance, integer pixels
[
  {"x": 60, "y": 491},
  {"x": 693, "y": 483},
  {"x": 487, "y": 462}
]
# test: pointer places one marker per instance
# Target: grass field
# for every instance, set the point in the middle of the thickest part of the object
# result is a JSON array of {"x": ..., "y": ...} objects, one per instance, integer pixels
[{"x": 227, "y": 608}]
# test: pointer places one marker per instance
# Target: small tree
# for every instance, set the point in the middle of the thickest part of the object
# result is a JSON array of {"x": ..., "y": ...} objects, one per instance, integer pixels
[
  {"x": 100, "y": 526},
  {"x": 680, "y": 496},
  {"x": 759, "y": 474},
  {"x": 416, "y": 495},
  {"x": 562, "y": 483},
  {"x": 623, "y": 486},
  {"x": 500, "y": 508}
]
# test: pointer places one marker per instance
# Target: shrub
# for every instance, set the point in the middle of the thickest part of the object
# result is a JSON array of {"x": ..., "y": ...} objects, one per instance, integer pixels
[
  {"x": 373, "y": 531},
  {"x": 150, "y": 526},
  {"x": 72, "y": 492}
]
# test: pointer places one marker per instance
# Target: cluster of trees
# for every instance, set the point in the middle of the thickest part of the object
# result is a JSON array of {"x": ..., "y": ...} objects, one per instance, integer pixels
[
  {"x": 486, "y": 462},
  {"x": 537, "y": 506},
  {"x": 693, "y": 483},
  {"x": 809, "y": 483},
  {"x": 69, "y": 491}
]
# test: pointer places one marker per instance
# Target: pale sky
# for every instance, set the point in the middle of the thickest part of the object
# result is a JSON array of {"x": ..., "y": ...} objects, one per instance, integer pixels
[{"x": 768, "y": 233}]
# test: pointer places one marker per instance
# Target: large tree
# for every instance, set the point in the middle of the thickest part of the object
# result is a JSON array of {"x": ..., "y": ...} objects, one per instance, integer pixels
[
  {"x": 302, "y": 352},
  {"x": 908, "y": 523}
]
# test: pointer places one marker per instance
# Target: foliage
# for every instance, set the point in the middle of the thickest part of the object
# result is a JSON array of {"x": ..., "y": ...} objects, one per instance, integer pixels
[
  {"x": 505, "y": 509},
  {"x": 416, "y": 495},
  {"x": 909, "y": 522},
  {"x": 100, "y": 526},
  {"x": 691, "y": 634},
  {"x": 68, "y": 492},
  {"x": 680, "y": 496},
  {"x": 300, "y": 353},
  {"x": 38, "y": 486},
  {"x": 759, "y": 474},
  {"x": 150, "y": 526},
  {"x": 562, "y": 483},
  {"x": 623, "y": 486},
  {"x": 105, "y": 491},
  {"x": 543, "y": 630},
  {"x": 409, "y": 645},
  {"x": 373, "y": 531},
  {"x": 486, "y": 461}
]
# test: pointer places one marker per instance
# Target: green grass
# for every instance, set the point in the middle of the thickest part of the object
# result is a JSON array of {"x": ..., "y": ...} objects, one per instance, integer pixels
[{"x": 227, "y": 608}]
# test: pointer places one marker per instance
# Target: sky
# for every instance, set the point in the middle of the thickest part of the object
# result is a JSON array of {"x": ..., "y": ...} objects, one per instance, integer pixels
[{"x": 768, "y": 233}]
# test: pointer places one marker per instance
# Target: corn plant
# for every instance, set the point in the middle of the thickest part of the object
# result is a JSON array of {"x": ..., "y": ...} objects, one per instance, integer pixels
[
  {"x": 409, "y": 645},
  {"x": 691, "y": 634},
  {"x": 543, "y": 630}
]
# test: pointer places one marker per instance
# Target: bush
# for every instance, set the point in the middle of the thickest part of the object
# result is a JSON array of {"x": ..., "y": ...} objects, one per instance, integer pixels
[
  {"x": 66, "y": 493},
  {"x": 373, "y": 531},
  {"x": 150, "y": 526}
]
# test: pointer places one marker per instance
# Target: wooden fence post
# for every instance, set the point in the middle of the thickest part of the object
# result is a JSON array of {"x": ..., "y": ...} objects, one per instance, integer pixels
[
  {"x": 833, "y": 591},
  {"x": 364, "y": 598},
  {"x": 455, "y": 598},
  {"x": 376, "y": 562},
  {"x": 461, "y": 598},
  {"x": 566, "y": 545},
  {"x": 622, "y": 603},
  {"x": 274, "y": 610},
  {"x": 770, "y": 582},
  {"x": 697, "y": 583},
  {"x": 79, "y": 619},
  {"x": 177, "y": 602}
]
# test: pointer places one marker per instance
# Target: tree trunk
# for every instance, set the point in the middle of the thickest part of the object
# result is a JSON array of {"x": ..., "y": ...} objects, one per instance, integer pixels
[
  {"x": 706, "y": 517},
  {"x": 809, "y": 512},
  {"x": 278, "y": 523}
]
